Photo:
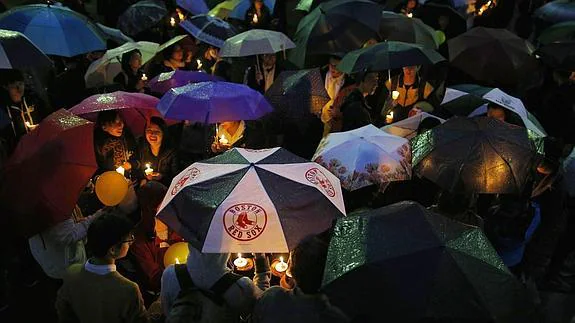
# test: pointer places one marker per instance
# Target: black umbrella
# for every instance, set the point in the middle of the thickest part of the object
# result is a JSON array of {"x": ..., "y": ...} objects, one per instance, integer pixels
[
  {"x": 388, "y": 55},
  {"x": 564, "y": 31},
  {"x": 18, "y": 52},
  {"x": 494, "y": 56},
  {"x": 459, "y": 104},
  {"x": 403, "y": 263},
  {"x": 431, "y": 13},
  {"x": 475, "y": 155},
  {"x": 556, "y": 11},
  {"x": 208, "y": 29},
  {"x": 141, "y": 16},
  {"x": 558, "y": 55},
  {"x": 399, "y": 27},
  {"x": 335, "y": 27}
]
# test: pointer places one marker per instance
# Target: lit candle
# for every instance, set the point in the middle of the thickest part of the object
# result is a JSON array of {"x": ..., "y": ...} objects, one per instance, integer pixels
[
  {"x": 149, "y": 170},
  {"x": 281, "y": 266},
  {"x": 181, "y": 15},
  {"x": 410, "y": 15},
  {"x": 240, "y": 261},
  {"x": 255, "y": 19},
  {"x": 172, "y": 21},
  {"x": 395, "y": 95},
  {"x": 199, "y": 63},
  {"x": 389, "y": 118},
  {"x": 120, "y": 170},
  {"x": 223, "y": 140},
  {"x": 177, "y": 261},
  {"x": 144, "y": 77}
]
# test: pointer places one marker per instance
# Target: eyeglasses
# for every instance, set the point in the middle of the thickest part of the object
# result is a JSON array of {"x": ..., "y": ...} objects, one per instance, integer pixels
[{"x": 130, "y": 240}]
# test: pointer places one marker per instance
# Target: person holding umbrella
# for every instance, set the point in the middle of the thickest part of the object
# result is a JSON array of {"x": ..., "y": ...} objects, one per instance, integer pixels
[
  {"x": 261, "y": 76},
  {"x": 131, "y": 77},
  {"x": 355, "y": 111},
  {"x": 406, "y": 92},
  {"x": 258, "y": 16}
]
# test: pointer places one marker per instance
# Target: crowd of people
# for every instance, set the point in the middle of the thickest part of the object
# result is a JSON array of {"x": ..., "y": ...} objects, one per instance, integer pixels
[{"x": 105, "y": 262}]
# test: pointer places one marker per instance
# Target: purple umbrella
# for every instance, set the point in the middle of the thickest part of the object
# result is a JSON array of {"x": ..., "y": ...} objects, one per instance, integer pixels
[
  {"x": 166, "y": 81},
  {"x": 213, "y": 102},
  {"x": 195, "y": 7}
]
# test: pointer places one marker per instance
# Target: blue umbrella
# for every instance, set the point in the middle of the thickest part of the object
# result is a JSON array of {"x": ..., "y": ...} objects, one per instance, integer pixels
[
  {"x": 142, "y": 16},
  {"x": 242, "y": 7},
  {"x": 195, "y": 7},
  {"x": 208, "y": 29},
  {"x": 56, "y": 30},
  {"x": 213, "y": 102}
]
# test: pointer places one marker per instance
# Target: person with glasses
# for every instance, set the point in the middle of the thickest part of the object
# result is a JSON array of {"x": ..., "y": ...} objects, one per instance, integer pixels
[
  {"x": 158, "y": 160},
  {"x": 95, "y": 291}
]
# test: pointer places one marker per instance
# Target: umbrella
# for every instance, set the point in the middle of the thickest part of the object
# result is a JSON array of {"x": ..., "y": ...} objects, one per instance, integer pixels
[
  {"x": 475, "y": 155},
  {"x": 141, "y": 16},
  {"x": 296, "y": 94},
  {"x": 251, "y": 201},
  {"x": 556, "y": 11},
  {"x": 171, "y": 42},
  {"x": 169, "y": 80},
  {"x": 430, "y": 13},
  {"x": 242, "y": 6},
  {"x": 213, "y": 102},
  {"x": 103, "y": 70},
  {"x": 335, "y": 27},
  {"x": 569, "y": 173},
  {"x": 56, "y": 30},
  {"x": 307, "y": 5},
  {"x": 559, "y": 56},
  {"x": 463, "y": 99},
  {"x": 388, "y": 55},
  {"x": 208, "y": 29},
  {"x": 115, "y": 35},
  {"x": 403, "y": 263},
  {"x": 564, "y": 31},
  {"x": 255, "y": 42},
  {"x": 18, "y": 52},
  {"x": 195, "y": 7},
  {"x": 223, "y": 9},
  {"x": 43, "y": 179},
  {"x": 399, "y": 27},
  {"x": 494, "y": 56},
  {"x": 135, "y": 108},
  {"x": 407, "y": 128},
  {"x": 365, "y": 156}
]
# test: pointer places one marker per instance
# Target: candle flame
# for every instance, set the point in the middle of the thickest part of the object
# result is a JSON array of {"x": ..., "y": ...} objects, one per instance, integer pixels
[
  {"x": 410, "y": 15},
  {"x": 239, "y": 255},
  {"x": 255, "y": 19},
  {"x": 172, "y": 21},
  {"x": 180, "y": 14},
  {"x": 177, "y": 261},
  {"x": 281, "y": 259},
  {"x": 199, "y": 63}
]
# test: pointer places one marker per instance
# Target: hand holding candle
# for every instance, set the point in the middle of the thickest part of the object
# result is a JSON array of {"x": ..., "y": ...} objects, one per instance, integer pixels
[
  {"x": 255, "y": 19},
  {"x": 281, "y": 266},
  {"x": 395, "y": 94},
  {"x": 389, "y": 118},
  {"x": 199, "y": 63},
  {"x": 144, "y": 77},
  {"x": 223, "y": 140}
]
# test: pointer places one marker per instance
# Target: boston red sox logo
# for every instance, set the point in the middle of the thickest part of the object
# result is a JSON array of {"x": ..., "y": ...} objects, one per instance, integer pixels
[
  {"x": 188, "y": 176},
  {"x": 317, "y": 177},
  {"x": 245, "y": 221}
]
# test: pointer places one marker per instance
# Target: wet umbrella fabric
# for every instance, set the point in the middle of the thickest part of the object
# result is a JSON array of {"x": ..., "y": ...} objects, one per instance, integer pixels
[
  {"x": 56, "y": 30},
  {"x": 169, "y": 80},
  {"x": 407, "y": 128},
  {"x": 195, "y": 7},
  {"x": 43, "y": 179},
  {"x": 388, "y": 55},
  {"x": 463, "y": 99},
  {"x": 475, "y": 155},
  {"x": 564, "y": 31},
  {"x": 399, "y": 27},
  {"x": 208, "y": 29},
  {"x": 556, "y": 11},
  {"x": 213, "y": 102},
  {"x": 255, "y": 42},
  {"x": 403, "y": 263},
  {"x": 18, "y": 52},
  {"x": 115, "y": 35},
  {"x": 430, "y": 14},
  {"x": 141, "y": 16},
  {"x": 251, "y": 201},
  {"x": 560, "y": 55}
]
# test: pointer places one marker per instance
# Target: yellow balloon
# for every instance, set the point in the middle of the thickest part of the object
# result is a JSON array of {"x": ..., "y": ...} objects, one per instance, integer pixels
[
  {"x": 176, "y": 254},
  {"x": 111, "y": 188}
]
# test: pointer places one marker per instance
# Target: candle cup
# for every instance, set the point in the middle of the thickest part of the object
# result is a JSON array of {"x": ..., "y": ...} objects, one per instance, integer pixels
[
  {"x": 144, "y": 77},
  {"x": 279, "y": 268},
  {"x": 223, "y": 140},
  {"x": 395, "y": 95},
  {"x": 389, "y": 118},
  {"x": 121, "y": 170}
]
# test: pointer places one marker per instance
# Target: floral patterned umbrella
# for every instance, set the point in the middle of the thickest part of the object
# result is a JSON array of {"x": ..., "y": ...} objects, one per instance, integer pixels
[{"x": 365, "y": 156}]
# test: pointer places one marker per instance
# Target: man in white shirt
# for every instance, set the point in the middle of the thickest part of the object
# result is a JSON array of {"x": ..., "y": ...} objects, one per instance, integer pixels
[
  {"x": 261, "y": 77},
  {"x": 334, "y": 80}
]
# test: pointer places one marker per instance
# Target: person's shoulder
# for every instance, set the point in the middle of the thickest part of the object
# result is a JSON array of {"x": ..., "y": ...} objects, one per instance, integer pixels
[
  {"x": 74, "y": 270},
  {"x": 124, "y": 284},
  {"x": 276, "y": 292}
]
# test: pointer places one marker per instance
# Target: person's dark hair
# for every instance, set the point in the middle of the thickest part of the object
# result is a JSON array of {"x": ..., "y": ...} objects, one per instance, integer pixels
[
  {"x": 360, "y": 76},
  {"x": 223, "y": 70},
  {"x": 451, "y": 203},
  {"x": 167, "y": 53},
  {"x": 150, "y": 197},
  {"x": 166, "y": 140},
  {"x": 11, "y": 76},
  {"x": 427, "y": 124},
  {"x": 108, "y": 230},
  {"x": 106, "y": 117},
  {"x": 126, "y": 60},
  {"x": 308, "y": 263}
]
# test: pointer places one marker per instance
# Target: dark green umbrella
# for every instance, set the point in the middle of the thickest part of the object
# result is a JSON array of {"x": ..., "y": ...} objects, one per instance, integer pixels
[
  {"x": 475, "y": 155},
  {"x": 403, "y": 263},
  {"x": 388, "y": 55},
  {"x": 564, "y": 31},
  {"x": 399, "y": 27},
  {"x": 560, "y": 55},
  {"x": 335, "y": 27},
  {"x": 556, "y": 11}
]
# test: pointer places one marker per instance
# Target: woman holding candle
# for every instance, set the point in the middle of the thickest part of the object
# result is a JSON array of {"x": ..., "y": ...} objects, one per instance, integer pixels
[
  {"x": 114, "y": 145},
  {"x": 406, "y": 92},
  {"x": 131, "y": 78},
  {"x": 158, "y": 161},
  {"x": 258, "y": 16},
  {"x": 229, "y": 134}
]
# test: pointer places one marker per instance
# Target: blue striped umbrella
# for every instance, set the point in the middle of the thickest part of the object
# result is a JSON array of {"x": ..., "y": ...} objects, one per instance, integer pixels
[
  {"x": 208, "y": 29},
  {"x": 195, "y": 7},
  {"x": 56, "y": 30}
]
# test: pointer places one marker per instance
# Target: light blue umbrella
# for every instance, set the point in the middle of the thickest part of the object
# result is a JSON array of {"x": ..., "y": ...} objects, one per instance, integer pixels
[
  {"x": 242, "y": 7},
  {"x": 56, "y": 30}
]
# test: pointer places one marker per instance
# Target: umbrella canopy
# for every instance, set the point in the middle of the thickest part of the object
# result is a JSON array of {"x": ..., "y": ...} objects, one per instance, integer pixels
[
  {"x": 398, "y": 27},
  {"x": 296, "y": 94},
  {"x": 18, "y": 52},
  {"x": 494, "y": 56},
  {"x": 42, "y": 180},
  {"x": 559, "y": 56},
  {"x": 141, "y": 16},
  {"x": 115, "y": 35},
  {"x": 223, "y": 9},
  {"x": 407, "y": 128},
  {"x": 169, "y": 80},
  {"x": 242, "y": 6},
  {"x": 475, "y": 155},
  {"x": 208, "y": 29},
  {"x": 365, "y": 156},
  {"x": 307, "y": 5},
  {"x": 251, "y": 201},
  {"x": 335, "y": 27},
  {"x": 569, "y": 173},
  {"x": 213, "y": 102},
  {"x": 403, "y": 263},
  {"x": 388, "y": 55},
  {"x": 195, "y": 7},
  {"x": 56, "y": 30},
  {"x": 135, "y": 108},
  {"x": 255, "y": 42},
  {"x": 463, "y": 99},
  {"x": 103, "y": 70},
  {"x": 431, "y": 13},
  {"x": 556, "y": 11},
  {"x": 564, "y": 31}
]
